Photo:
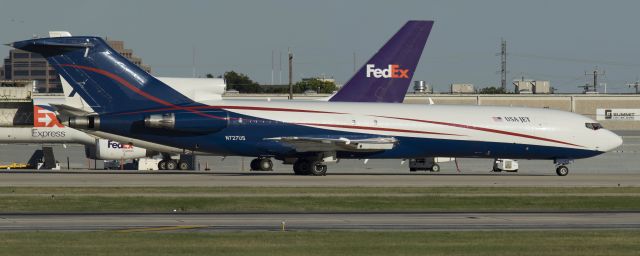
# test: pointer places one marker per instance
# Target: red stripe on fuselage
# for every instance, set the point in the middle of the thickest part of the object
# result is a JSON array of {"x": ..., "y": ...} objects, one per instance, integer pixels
[
  {"x": 194, "y": 109},
  {"x": 484, "y": 129}
]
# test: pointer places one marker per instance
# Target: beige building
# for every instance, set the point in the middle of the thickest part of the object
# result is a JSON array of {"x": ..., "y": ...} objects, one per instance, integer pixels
[
  {"x": 532, "y": 86},
  {"x": 128, "y": 53},
  {"x": 462, "y": 88},
  {"x": 22, "y": 65}
]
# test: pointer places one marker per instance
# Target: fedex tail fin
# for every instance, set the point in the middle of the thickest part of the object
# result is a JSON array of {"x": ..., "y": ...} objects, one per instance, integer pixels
[
  {"x": 387, "y": 75},
  {"x": 107, "y": 81}
]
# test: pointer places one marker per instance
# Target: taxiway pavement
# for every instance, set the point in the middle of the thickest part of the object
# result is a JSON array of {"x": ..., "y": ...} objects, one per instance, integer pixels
[{"x": 211, "y": 222}]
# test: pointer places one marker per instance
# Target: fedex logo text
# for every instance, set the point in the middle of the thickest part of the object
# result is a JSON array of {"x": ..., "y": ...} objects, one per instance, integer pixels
[
  {"x": 393, "y": 71},
  {"x": 35, "y": 133},
  {"x": 117, "y": 145}
]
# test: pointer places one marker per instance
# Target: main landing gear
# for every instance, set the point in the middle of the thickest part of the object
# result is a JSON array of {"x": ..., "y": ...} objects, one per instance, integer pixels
[
  {"x": 168, "y": 163},
  {"x": 301, "y": 166},
  {"x": 262, "y": 164},
  {"x": 304, "y": 166},
  {"x": 171, "y": 164}
]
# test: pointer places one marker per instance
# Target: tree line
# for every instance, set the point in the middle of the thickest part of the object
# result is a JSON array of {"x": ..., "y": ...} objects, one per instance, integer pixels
[{"x": 243, "y": 84}]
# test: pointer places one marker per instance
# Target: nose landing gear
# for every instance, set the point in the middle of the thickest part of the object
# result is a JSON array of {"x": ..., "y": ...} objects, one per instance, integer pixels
[
  {"x": 561, "y": 166},
  {"x": 562, "y": 170}
]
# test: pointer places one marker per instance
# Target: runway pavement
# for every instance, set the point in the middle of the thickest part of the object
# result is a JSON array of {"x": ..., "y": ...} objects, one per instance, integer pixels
[
  {"x": 217, "y": 179},
  {"x": 324, "y": 221}
]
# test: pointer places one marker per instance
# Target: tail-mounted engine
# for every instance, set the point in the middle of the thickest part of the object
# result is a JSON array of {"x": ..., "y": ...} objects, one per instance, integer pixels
[
  {"x": 84, "y": 122},
  {"x": 205, "y": 122}
]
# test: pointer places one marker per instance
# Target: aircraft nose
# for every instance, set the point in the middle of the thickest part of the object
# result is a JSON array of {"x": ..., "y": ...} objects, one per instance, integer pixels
[{"x": 612, "y": 141}]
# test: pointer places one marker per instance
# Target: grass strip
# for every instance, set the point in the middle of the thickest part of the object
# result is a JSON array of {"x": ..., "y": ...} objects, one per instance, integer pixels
[
  {"x": 492, "y": 243},
  {"x": 317, "y": 190},
  {"x": 73, "y": 203},
  {"x": 311, "y": 199}
]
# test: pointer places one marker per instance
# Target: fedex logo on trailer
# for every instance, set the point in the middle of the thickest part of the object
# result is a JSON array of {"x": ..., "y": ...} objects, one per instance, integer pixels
[
  {"x": 392, "y": 71},
  {"x": 117, "y": 145}
]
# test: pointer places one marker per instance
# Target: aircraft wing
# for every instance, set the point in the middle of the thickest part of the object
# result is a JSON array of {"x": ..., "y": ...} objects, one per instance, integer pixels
[{"x": 314, "y": 144}]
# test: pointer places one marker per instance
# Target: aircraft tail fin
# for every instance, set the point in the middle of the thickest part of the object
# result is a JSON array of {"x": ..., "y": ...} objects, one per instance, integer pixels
[
  {"x": 387, "y": 75},
  {"x": 106, "y": 80}
]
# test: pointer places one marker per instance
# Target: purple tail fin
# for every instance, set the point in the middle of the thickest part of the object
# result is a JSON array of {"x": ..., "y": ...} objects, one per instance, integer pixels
[{"x": 387, "y": 75}]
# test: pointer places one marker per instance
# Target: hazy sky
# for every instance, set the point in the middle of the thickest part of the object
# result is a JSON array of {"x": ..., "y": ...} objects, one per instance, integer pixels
[{"x": 547, "y": 40}]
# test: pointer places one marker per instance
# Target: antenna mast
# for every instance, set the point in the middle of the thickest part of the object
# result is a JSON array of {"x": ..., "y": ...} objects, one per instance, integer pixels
[
  {"x": 290, "y": 74},
  {"x": 636, "y": 85},
  {"x": 193, "y": 60},
  {"x": 595, "y": 73},
  {"x": 503, "y": 64}
]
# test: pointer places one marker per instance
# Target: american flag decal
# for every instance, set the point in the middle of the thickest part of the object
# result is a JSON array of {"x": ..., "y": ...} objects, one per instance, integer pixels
[{"x": 497, "y": 119}]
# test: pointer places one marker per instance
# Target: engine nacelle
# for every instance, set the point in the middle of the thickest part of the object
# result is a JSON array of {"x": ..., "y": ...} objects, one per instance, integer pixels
[
  {"x": 161, "y": 121},
  {"x": 84, "y": 122},
  {"x": 188, "y": 122},
  {"x": 112, "y": 150}
]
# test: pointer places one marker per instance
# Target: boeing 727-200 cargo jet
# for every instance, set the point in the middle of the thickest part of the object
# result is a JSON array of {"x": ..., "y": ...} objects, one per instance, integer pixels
[{"x": 129, "y": 102}]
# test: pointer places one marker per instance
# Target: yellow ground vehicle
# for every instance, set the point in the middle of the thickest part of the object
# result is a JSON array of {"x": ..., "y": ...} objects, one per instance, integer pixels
[{"x": 14, "y": 166}]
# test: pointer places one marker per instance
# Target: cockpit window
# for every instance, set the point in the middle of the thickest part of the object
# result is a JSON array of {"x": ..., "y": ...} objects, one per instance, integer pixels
[{"x": 593, "y": 126}]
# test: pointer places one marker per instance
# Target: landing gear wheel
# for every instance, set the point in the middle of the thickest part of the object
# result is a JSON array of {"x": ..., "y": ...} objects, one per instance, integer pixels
[
  {"x": 172, "y": 164},
  {"x": 183, "y": 165},
  {"x": 435, "y": 168},
  {"x": 254, "y": 164},
  {"x": 304, "y": 167},
  {"x": 265, "y": 164},
  {"x": 162, "y": 165},
  {"x": 316, "y": 168},
  {"x": 562, "y": 170}
]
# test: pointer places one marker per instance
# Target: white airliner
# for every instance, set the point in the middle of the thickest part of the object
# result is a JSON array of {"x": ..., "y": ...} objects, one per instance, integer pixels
[{"x": 129, "y": 102}]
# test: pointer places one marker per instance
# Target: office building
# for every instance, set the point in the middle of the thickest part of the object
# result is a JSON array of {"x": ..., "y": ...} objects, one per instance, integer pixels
[{"x": 22, "y": 65}]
